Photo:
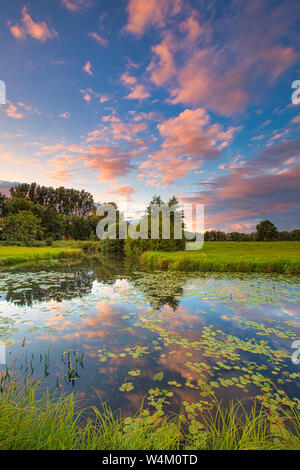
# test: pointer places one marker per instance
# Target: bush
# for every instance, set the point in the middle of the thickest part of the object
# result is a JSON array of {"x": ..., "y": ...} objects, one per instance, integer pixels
[
  {"x": 49, "y": 241},
  {"x": 139, "y": 246},
  {"x": 109, "y": 246},
  {"x": 23, "y": 227}
]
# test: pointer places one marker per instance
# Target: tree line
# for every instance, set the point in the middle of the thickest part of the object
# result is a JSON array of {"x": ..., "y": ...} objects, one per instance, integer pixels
[
  {"x": 33, "y": 214},
  {"x": 265, "y": 231}
]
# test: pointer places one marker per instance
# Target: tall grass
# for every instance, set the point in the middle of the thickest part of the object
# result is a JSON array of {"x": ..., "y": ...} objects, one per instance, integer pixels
[
  {"x": 57, "y": 423},
  {"x": 16, "y": 254},
  {"x": 279, "y": 257}
]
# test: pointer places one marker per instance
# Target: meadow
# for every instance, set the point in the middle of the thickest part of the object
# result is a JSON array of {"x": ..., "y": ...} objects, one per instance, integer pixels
[
  {"x": 262, "y": 257},
  {"x": 10, "y": 255}
]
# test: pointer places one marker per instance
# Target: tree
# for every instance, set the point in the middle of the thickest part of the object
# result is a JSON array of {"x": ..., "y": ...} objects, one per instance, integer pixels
[
  {"x": 54, "y": 224},
  {"x": 155, "y": 200},
  {"x": 3, "y": 205},
  {"x": 18, "y": 204},
  {"x": 23, "y": 227},
  {"x": 295, "y": 235},
  {"x": 266, "y": 231},
  {"x": 66, "y": 201}
]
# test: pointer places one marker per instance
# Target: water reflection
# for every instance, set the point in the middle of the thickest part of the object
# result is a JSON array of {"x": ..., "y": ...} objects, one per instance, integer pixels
[{"x": 105, "y": 329}]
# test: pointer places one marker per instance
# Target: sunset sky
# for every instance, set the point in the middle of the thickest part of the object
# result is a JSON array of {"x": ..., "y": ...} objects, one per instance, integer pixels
[{"x": 130, "y": 98}]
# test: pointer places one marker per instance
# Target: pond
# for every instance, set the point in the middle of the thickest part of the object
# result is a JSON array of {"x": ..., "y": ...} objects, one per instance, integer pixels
[{"x": 170, "y": 340}]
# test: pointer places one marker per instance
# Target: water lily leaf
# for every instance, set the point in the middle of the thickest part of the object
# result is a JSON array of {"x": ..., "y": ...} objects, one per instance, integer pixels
[{"x": 158, "y": 377}]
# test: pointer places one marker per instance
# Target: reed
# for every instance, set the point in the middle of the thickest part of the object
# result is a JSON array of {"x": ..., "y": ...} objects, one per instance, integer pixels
[{"x": 58, "y": 423}]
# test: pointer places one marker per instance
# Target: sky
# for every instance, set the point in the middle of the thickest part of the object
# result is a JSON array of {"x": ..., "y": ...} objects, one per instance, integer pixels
[{"x": 131, "y": 98}]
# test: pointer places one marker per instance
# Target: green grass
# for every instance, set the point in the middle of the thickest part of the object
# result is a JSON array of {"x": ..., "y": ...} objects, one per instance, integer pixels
[
  {"x": 264, "y": 257},
  {"x": 56, "y": 423},
  {"x": 10, "y": 255}
]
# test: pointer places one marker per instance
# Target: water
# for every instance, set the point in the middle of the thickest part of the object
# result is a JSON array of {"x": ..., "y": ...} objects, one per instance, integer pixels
[{"x": 119, "y": 335}]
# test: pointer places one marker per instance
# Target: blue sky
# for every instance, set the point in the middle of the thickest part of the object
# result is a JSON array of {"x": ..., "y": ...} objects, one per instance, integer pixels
[{"x": 132, "y": 98}]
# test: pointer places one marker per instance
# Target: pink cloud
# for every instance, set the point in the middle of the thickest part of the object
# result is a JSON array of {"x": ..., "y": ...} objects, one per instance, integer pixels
[
  {"x": 197, "y": 71},
  {"x": 253, "y": 192},
  {"x": 125, "y": 190},
  {"x": 13, "y": 112},
  {"x": 109, "y": 162},
  {"x": 116, "y": 130},
  {"x": 61, "y": 171},
  {"x": 88, "y": 68},
  {"x": 296, "y": 120},
  {"x": 138, "y": 91},
  {"x": 189, "y": 139},
  {"x": 38, "y": 31},
  {"x": 162, "y": 67},
  {"x": 88, "y": 94},
  {"x": 75, "y": 5},
  {"x": 143, "y": 13},
  {"x": 98, "y": 38}
]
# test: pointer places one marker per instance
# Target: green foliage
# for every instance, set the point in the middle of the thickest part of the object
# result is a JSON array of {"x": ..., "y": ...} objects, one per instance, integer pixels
[
  {"x": 10, "y": 255},
  {"x": 62, "y": 212},
  {"x": 281, "y": 257},
  {"x": 23, "y": 227},
  {"x": 266, "y": 231},
  {"x": 49, "y": 241},
  {"x": 54, "y": 224},
  {"x": 66, "y": 201},
  {"x": 136, "y": 247},
  {"x": 57, "y": 423},
  {"x": 3, "y": 203},
  {"x": 111, "y": 246}
]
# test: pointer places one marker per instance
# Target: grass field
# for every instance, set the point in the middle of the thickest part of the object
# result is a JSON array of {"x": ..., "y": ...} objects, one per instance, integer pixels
[
  {"x": 57, "y": 424},
  {"x": 10, "y": 255},
  {"x": 280, "y": 257}
]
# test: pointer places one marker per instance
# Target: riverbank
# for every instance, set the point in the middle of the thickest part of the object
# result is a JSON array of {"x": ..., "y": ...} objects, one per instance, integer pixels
[
  {"x": 58, "y": 423},
  {"x": 11, "y": 255},
  {"x": 262, "y": 257}
]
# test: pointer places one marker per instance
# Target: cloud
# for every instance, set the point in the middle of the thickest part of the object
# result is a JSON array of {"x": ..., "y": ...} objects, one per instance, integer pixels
[
  {"x": 143, "y": 13},
  {"x": 61, "y": 163},
  {"x": 65, "y": 115},
  {"x": 76, "y": 5},
  {"x": 89, "y": 93},
  {"x": 18, "y": 161},
  {"x": 138, "y": 91},
  {"x": 295, "y": 120},
  {"x": 162, "y": 66},
  {"x": 114, "y": 157},
  {"x": 111, "y": 163},
  {"x": 254, "y": 192},
  {"x": 88, "y": 68},
  {"x": 6, "y": 185},
  {"x": 39, "y": 31},
  {"x": 13, "y": 112},
  {"x": 125, "y": 190},
  {"x": 116, "y": 130},
  {"x": 189, "y": 140},
  {"x": 98, "y": 38},
  {"x": 216, "y": 63}
]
